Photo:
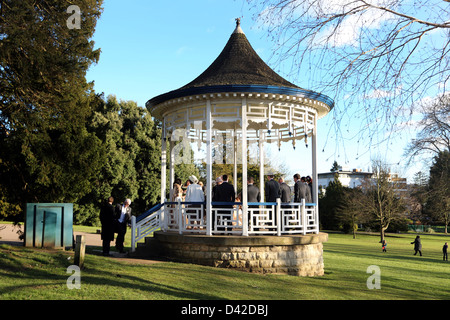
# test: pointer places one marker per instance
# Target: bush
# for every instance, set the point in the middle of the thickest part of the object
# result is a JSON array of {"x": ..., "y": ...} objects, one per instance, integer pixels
[{"x": 87, "y": 215}]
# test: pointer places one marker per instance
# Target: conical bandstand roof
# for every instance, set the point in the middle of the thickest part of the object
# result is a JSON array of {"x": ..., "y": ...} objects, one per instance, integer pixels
[{"x": 238, "y": 68}]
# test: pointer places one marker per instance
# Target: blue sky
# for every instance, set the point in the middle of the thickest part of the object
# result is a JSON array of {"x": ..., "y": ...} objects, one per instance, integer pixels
[{"x": 152, "y": 47}]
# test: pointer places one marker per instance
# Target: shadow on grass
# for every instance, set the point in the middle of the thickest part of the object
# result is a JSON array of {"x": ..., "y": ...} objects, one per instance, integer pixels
[{"x": 43, "y": 269}]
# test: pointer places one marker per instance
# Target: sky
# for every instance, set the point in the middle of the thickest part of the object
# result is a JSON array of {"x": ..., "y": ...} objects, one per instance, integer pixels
[{"x": 151, "y": 47}]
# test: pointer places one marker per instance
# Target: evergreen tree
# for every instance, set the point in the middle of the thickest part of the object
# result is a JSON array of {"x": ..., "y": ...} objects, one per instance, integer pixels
[
  {"x": 46, "y": 152},
  {"x": 438, "y": 200},
  {"x": 329, "y": 205},
  {"x": 133, "y": 162}
]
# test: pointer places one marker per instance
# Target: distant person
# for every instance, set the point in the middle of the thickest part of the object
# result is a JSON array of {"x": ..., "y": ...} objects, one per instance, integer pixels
[
  {"x": 194, "y": 192},
  {"x": 272, "y": 193},
  {"x": 224, "y": 193},
  {"x": 272, "y": 189},
  {"x": 309, "y": 183},
  {"x": 383, "y": 245},
  {"x": 285, "y": 191},
  {"x": 107, "y": 221},
  {"x": 177, "y": 193},
  {"x": 417, "y": 245},
  {"x": 301, "y": 190},
  {"x": 218, "y": 183},
  {"x": 444, "y": 251},
  {"x": 123, "y": 217},
  {"x": 171, "y": 193},
  {"x": 253, "y": 195}
]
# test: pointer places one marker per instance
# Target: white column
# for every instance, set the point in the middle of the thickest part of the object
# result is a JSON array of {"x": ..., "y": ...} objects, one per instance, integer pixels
[
  {"x": 163, "y": 164},
  {"x": 261, "y": 164},
  {"x": 244, "y": 169},
  {"x": 315, "y": 176},
  {"x": 235, "y": 160},
  {"x": 171, "y": 165},
  {"x": 133, "y": 233},
  {"x": 208, "y": 169}
]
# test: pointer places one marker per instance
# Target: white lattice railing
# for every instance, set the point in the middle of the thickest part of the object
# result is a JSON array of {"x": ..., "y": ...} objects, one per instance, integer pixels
[{"x": 264, "y": 218}]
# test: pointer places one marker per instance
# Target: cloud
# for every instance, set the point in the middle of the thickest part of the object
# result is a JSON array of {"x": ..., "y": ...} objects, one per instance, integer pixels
[
  {"x": 339, "y": 32},
  {"x": 182, "y": 50}
]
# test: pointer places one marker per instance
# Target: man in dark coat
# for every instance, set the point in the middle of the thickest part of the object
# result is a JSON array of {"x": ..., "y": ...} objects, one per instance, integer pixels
[
  {"x": 444, "y": 251},
  {"x": 253, "y": 194},
  {"x": 417, "y": 245},
  {"x": 271, "y": 189},
  {"x": 224, "y": 193},
  {"x": 107, "y": 220},
  {"x": 301, "y": 190},
  {"x": 123, "y": 217},
  {"x": 272, "y": 192},
  {"x": 285, "y": 191}
]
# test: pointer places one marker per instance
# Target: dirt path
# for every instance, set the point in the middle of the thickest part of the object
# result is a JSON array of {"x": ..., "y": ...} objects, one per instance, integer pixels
[{"x": 8, "y": 235}]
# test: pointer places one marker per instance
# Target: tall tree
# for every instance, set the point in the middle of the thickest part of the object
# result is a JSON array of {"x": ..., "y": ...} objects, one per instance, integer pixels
[
  {"x": 380, "y": 201},
  {"x": 133, "y": 162},
  {"x": 375, "y": 58},
  {"x": 438, "y": 200},
  {"x": 46, "y": 152},
  {"x": 349, "y": 212},
  {"x": 434, "y": 128},
  {"x": 330, "y": 203}
]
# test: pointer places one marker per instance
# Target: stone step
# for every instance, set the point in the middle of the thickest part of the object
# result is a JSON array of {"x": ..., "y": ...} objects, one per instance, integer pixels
[{"x": 150, "y": 248}]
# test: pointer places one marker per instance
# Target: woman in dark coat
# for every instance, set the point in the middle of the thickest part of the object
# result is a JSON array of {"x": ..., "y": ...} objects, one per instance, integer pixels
[
  {"x": 107, "y": 220},
  {"x": 417, "y": 245}
]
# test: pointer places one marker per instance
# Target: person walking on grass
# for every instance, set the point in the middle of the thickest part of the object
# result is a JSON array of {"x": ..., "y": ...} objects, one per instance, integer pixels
[
  {"x": 444, "y": 251},
  {"x": 383, "y": 245},
  {"x": 417, "y": 245}
]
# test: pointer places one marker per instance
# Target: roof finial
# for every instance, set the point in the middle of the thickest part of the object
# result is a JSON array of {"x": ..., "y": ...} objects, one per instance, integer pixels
[{"x": 238, "y": 26}]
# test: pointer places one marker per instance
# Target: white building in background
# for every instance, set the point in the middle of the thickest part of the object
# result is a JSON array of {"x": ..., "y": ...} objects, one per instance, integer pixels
[
  {"x": 348, "y": 178},
  {"x": 354, "y": 178}
]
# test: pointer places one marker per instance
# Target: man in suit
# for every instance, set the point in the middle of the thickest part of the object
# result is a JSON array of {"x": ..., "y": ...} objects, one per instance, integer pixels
[
  {"x": 272, "y": 189},
  {"x": 285, "y": 192},
  {"x": 218, "y": 183},
  {"x": 224, "y": 193},
  {"x": 301, "y": 190},
  {"x": 272, "y": 192},
  {"x": 107, "y": 220},
  {"x": 253, "y": 195},
  {"x": 123, "y": 217}
]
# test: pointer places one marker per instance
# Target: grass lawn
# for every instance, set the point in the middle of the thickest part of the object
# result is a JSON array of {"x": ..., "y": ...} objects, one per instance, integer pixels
[{"x": 39, "y": 274}]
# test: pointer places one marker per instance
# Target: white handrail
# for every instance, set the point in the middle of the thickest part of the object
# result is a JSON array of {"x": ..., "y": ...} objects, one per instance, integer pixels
[
  {"x": 273, "y": 218},
  {"x": 146, "y": 226}
]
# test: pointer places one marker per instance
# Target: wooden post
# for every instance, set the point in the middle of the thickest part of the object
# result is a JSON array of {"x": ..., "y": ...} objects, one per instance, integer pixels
[{"x": 79, "y": 251}]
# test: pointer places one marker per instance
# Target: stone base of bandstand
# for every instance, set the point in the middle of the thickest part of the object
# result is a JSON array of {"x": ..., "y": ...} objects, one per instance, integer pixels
[{"x": 298, "y": 255}]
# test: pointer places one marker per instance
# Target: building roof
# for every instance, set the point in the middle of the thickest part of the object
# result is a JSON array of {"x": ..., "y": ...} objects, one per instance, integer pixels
[
  {"x": 239, "y": 64},
  {"x": 238, "y": 68}
]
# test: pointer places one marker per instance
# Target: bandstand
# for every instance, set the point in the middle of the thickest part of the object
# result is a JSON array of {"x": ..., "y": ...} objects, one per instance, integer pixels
[{"x": 235, "y": 107}]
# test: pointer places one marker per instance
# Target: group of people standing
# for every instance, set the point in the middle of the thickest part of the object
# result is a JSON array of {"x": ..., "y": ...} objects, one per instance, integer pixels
[
  {"x": 193, "y": 192},
  {"x": 302, "y": 189},
  {"x": 114, "y": 219},
  {"x": 223, "y": 191}
]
